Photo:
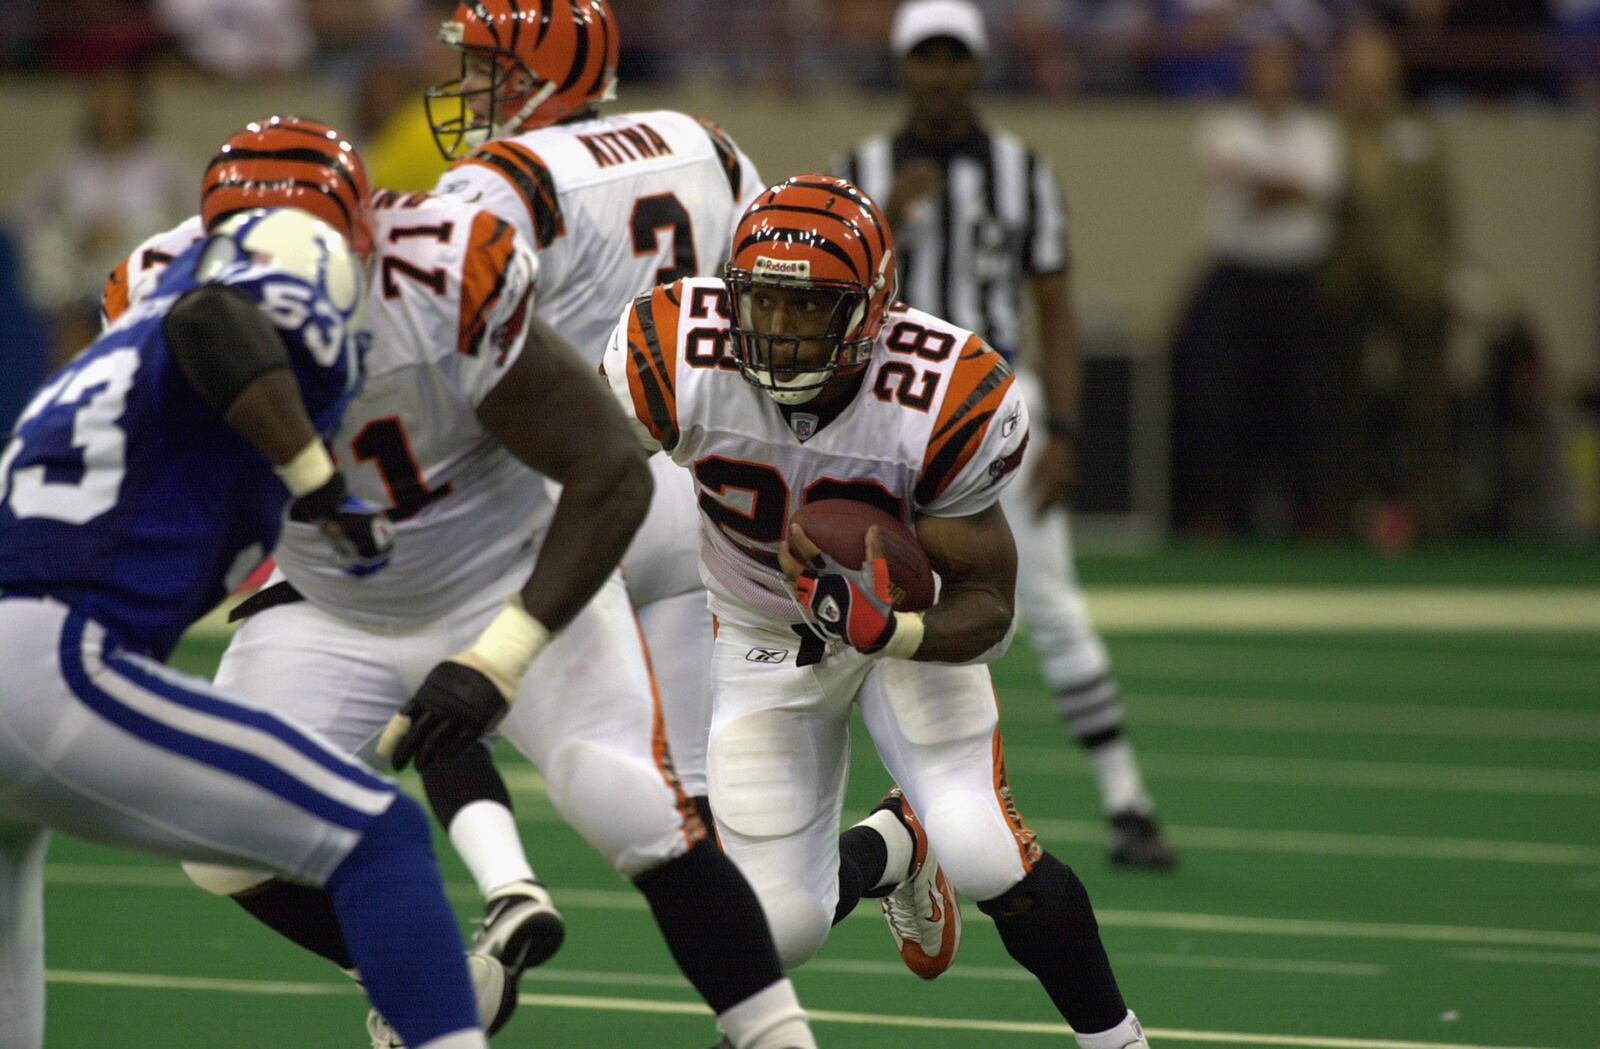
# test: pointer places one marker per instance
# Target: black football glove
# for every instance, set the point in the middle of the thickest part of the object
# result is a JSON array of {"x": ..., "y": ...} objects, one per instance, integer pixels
[
  {"x": 456, "y": 706},
  {"x": 361, "y": 532}
]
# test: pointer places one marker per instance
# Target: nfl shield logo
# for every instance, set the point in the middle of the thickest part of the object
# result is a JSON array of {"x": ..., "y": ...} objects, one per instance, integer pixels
[{"x": 804, "y": 424}]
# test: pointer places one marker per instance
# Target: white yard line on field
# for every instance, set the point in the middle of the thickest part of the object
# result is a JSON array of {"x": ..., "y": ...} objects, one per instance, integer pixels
[
  {"x": 103, "y": 876},
  {"x": 589, "y": 1003}
]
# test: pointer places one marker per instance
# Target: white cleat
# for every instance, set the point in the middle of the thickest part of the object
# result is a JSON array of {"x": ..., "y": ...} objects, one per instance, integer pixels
[
  {"x": 494, "y": 987},
  {"x": 521, "y": 927},
  {"x": 923, "y": 913}
]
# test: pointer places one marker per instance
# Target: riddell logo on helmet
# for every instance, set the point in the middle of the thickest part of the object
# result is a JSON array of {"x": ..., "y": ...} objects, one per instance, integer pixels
[{"x": 799, "y": 269}]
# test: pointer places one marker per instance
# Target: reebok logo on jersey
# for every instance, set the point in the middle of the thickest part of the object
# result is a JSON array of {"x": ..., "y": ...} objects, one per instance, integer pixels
[
  {"x": 766, "y": 655},
  {"x": 1006, "y": 463},
  {"x": 1009, "y": 427},
  {"x": 795, "y": 269}
]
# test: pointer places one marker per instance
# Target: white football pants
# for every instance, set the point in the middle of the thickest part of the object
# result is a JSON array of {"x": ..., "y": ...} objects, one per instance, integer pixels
[
  {"x": 587, "y": 715},
  {"x": 662, "y": 568},
  {"x": 115, "y": 748},
  {"x": 780, "y": 754}
]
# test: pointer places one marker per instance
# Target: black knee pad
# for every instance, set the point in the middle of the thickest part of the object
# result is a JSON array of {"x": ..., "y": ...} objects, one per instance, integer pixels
[{"x": 471, "y": 777}]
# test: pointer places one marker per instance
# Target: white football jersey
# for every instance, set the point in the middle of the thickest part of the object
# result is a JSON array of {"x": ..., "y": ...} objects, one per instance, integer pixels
[
  {"x": 136, "y": 275},
  {"x": 937, "y": 429},
  {"x": 614, "y": 206},
  {"x": 451, "y": 289}
]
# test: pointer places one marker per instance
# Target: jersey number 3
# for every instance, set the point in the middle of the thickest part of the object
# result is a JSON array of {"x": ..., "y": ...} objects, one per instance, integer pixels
[
  {"x": 93, "y": 462},
  {"x": 652, "y": 216}
]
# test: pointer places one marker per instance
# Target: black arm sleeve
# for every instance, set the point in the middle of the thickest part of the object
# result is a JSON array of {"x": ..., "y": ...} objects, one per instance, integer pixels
[{"x": 222, "y": 342}]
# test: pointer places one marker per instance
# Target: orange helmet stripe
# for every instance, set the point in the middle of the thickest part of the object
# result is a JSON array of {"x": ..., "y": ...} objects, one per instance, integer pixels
[{"x": 290, "y": 162}]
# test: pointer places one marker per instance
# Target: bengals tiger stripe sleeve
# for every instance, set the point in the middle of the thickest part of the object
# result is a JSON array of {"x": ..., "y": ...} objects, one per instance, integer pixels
[
  {"x": 641, "y": 366},
  {"x": 528, "y": 176},
  {"x": 495, "y": 297},
  {"x": 484, "y": 274},
  {"x": 977, "y": 440},
  {"x": 114, "y": 296}
]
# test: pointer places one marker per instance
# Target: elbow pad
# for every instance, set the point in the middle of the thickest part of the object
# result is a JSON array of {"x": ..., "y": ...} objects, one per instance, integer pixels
[{"x": 222, "y": 342}]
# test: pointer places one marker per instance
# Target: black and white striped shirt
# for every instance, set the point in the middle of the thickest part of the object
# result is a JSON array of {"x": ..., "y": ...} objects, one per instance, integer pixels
[{"x": 999, "y": 220}]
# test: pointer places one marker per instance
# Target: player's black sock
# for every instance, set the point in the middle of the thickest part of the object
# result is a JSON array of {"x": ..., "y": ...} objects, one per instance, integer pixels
[
  {"x": 729, "y": 957},
  {"x": 702, "y": 806},
  {"x": 471, "y": 777},
  {"x": 300, "y": 914},
  {"x": 1048, "y": 925},
  {"x": 863, "y": 859}
]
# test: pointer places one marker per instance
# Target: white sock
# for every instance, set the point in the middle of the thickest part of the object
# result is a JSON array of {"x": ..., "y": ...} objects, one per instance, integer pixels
[
  {"x": 1117, "y": 772},
  {"x": 459, "y": 1040},
  {"x": 1126, "y": 1035},
  {"x": 485, "y": 835},
  {"x": 899, "y": 843},
  {"x": 769, "y": 1019}
]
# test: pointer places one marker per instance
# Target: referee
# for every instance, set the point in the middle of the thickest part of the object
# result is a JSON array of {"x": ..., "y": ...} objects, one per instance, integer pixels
[{"x": 977, "y": 216}]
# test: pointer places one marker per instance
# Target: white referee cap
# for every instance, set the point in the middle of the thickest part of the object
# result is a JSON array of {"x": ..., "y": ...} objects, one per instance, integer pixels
[{"x": 919, "y": 20}]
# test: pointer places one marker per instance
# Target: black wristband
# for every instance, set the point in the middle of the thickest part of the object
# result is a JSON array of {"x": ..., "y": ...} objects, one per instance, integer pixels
[{"x": 1063, "y": 426}]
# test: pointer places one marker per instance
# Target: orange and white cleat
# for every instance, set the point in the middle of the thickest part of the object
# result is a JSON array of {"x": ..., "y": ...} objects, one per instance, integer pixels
[{"x": 923, "y": 913}]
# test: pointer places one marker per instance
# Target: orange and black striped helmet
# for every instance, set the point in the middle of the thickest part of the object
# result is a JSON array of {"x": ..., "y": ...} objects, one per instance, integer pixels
[
  {"x": 819, "y": 233},
  {"x": 291, "y": 162},
  {"x": 548, "y": 59}
]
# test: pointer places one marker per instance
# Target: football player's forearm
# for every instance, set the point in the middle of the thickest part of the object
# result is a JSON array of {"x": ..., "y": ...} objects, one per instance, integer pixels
[
  {"x": 966, "y": 623},
  {"x": 269, "y": 414},
  {"x": 594, "y": 521}
]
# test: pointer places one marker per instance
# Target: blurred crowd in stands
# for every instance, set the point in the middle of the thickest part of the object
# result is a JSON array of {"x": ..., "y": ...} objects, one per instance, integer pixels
[
  {"x": 1539, "y": 49},
  {"x": 1310, "y": 390}
]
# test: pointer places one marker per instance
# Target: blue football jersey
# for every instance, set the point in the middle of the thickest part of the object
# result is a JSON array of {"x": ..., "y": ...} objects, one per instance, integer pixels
[{"x": 123, "y": 494}]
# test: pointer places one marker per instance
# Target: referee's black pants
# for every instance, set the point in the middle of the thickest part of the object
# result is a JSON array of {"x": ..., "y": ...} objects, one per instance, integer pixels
[{"x": 1245, "y": 370}]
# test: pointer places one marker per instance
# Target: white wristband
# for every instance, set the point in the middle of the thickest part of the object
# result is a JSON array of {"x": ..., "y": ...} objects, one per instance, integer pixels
[
  {"x": 309, "y": 470},
  {"x": 507, "y": 647},
  {"x": 908, "y": 628}
]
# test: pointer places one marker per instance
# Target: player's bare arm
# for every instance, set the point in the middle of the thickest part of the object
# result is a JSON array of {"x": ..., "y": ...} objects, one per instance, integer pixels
[
  {"x": 233, "y": 357},
  {"x": 977, "y": 566},
  {"x": 250, "y": 385},
  {"x": 555, "y": 414},
  {"x": 1062, "y": 370}
]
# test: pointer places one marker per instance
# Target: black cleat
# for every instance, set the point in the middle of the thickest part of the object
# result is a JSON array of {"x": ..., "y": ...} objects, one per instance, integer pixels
[
  {"x": 1136, "y": 843},
  {"x": 521, "y": 927}
]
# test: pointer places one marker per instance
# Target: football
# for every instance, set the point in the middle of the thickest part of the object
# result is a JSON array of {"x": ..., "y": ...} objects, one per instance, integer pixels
[{"x": 839, "y": 528}]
